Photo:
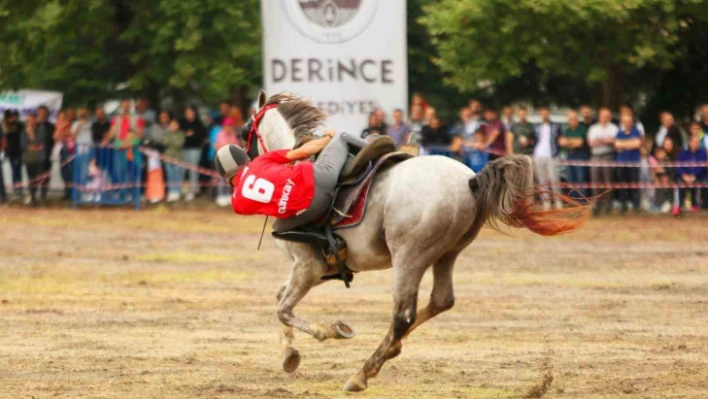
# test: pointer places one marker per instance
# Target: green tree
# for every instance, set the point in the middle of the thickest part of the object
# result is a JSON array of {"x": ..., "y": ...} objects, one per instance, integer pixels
[
  {"x": 601, "y": 42},
  {"x": 208, "y": 49},
  {"x": 60, "y": 45},
  {"x": 682, "y": 87},
  {"x": 424, "y": 76}
]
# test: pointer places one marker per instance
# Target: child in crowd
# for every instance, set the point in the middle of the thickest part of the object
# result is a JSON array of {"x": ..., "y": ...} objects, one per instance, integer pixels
[
  {"x": 477, "y": 159},
  {"x": 94, "y": 183},
  {"x": 691, "y": 174},
  {"x": 662, "y": 176},
  {"x": 226, "y": 136},
  {"x": 645, "y": 175},
  {"x": 173, "y": 141}
]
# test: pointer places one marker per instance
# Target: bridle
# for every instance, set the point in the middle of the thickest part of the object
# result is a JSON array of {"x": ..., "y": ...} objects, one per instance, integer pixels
[{"x": 251, "y": 129}]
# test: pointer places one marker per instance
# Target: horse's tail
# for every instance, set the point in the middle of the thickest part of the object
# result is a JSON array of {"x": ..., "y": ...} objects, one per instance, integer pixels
[{"x": 506, "y": 193}]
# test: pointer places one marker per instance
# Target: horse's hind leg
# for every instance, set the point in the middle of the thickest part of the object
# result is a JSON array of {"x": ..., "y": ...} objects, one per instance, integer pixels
[
  {"x": 442, "y": 297},
  {"x": 405, "y": 296}
]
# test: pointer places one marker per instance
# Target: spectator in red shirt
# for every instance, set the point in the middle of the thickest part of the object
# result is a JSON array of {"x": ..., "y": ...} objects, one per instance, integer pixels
[{"x": 126, "y": 126}]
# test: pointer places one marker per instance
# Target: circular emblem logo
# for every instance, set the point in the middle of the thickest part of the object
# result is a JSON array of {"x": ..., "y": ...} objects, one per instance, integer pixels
[{"x": 331, "y": 21}]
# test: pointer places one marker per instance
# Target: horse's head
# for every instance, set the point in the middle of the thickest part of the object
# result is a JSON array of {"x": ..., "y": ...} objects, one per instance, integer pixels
[{"x": 279, "y": 122}]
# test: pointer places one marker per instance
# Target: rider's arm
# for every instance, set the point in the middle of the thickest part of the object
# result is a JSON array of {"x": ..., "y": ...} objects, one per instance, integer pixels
[{"x": 310, "y": 148}]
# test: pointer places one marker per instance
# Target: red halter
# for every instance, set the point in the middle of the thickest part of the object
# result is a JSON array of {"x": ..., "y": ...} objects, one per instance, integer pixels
[{"x": 254, "y": 127}]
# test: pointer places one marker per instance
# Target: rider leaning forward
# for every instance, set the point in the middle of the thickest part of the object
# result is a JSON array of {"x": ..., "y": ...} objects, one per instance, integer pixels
[{"x": 284, "y": 183}]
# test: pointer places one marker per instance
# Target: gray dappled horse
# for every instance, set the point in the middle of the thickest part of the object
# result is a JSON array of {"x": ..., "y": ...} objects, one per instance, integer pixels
[{"x": 422, "y": 212}]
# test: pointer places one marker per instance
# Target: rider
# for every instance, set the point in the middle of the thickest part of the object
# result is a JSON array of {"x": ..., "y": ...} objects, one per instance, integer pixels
[{"x": 284, "y": 183}]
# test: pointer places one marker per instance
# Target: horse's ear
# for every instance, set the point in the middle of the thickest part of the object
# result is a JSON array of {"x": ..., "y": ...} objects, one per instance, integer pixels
[{"x": 261, "y": 99}]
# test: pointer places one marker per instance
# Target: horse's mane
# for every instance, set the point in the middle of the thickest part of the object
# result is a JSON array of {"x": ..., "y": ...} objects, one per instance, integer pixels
[{"x": 300, "y": 114}]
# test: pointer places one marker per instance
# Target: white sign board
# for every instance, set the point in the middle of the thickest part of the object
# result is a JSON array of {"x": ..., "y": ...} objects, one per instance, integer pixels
[
  {"x": 27, "y": 101},
  {"x": 347, "y": 56}
]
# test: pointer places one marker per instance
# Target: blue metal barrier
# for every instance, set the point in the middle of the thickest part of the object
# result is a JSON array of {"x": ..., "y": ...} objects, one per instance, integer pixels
[
  {"x": 474, "y": 159},
  {"x": 107, "y": 176}
]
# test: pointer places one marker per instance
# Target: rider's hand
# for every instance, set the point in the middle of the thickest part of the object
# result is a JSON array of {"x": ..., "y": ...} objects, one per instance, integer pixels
[{"x": 332, "y": 133}]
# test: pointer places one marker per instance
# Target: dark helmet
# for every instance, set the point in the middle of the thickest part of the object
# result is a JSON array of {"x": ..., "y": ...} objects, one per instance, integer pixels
[{"x": 228, "y": 159}]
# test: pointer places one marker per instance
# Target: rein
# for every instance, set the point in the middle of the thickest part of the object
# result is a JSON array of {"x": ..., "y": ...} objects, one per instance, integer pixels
[{"x": 254, "y": 127}]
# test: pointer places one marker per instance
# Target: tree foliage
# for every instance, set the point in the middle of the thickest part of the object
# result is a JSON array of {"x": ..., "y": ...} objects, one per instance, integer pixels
[
  {"x": 424, "y": 75},
  {"x": 57, "y": 45},
  {"x": 87, "y": 48},
  {"x": 210, "y": 47},
  {"x": 600, "y": 42}
]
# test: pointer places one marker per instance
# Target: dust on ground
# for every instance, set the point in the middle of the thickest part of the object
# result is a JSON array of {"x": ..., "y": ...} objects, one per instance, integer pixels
[{"x": 179, "y": 304}]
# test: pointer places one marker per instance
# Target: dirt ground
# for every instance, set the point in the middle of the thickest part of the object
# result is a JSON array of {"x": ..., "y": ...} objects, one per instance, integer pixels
[{"x": 179, "y": 304}]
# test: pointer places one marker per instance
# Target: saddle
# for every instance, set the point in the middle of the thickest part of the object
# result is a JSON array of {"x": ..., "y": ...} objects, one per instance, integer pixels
[{"x": 348, "y": 208}]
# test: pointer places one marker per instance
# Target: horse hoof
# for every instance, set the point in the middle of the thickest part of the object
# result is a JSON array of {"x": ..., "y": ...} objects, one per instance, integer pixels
[
  {"x": 342, "y": 331},
  {"x": 291, "y": 360},
  {"x": 355, "y": 384}
]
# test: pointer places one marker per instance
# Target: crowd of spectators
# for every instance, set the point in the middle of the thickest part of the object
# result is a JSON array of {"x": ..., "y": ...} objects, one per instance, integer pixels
[
  {"x": 593, "y": 151},
  {"x": 105, "y": 148},
  {"x": 584, "y": 147}
]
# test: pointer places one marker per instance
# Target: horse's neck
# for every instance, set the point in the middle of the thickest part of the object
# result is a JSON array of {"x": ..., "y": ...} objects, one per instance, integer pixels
[{"x": 275, "y": 131}]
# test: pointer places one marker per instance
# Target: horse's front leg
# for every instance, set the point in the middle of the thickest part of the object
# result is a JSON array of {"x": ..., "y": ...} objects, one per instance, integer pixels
[
  {"x": 291, "y": 356},
  {"x": 303, "y": 277}
]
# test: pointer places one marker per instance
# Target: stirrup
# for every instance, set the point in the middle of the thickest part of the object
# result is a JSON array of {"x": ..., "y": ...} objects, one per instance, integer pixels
[{"x": 336, "y": 254}]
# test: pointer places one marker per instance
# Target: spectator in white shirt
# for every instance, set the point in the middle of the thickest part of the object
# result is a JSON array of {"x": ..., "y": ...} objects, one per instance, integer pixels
[
  {"x": 601, "y": 139},
  {"x": 669, "y": 129},
  {"x": 81, "y": 128},
  {"x": 544, "y": 152}
]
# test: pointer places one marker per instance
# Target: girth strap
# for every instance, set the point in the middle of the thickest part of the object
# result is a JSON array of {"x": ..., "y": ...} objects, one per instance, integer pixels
[{"x": 339, "y": 264}]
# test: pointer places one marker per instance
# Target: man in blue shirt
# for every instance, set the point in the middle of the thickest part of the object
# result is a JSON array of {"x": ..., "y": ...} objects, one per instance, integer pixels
[
  {"x": 399, "y": 131},
  {"x": 628, "y": 143}
]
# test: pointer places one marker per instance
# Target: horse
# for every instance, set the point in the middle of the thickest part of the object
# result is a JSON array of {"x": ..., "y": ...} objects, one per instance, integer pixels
[{"x": 421, "y": 214}]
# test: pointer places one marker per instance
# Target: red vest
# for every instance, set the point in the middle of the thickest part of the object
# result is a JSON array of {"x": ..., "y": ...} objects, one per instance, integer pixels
[{"x": 272, "y": 185}]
